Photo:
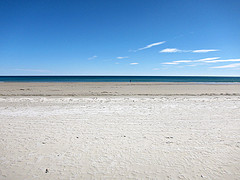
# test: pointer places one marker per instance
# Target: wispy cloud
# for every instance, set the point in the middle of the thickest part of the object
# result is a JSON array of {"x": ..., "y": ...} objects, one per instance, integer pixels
[
  {"x": 169, "y": 50},
  {"x": 91, "y": 58},
  {"x": 151, "y": 45},
  {"x": 172, "y": 50},
  {"x": 226, "y": 60},
  {"x": 122, "y": 57},
  {"x": 170, "y": 63},
  {"x": 191, "y": 61},
  {"x": 183, "y": 61},
  {"x": 134, "y": 63},
  {"x": 156, "y": 69},
  {"x": 175, "y": 50},
  {"x": 204, "y": 50},
  {"x": 32, "y": 70},
  {"x": 207, "y": 59},
  {"x": 228, "y": 66}
]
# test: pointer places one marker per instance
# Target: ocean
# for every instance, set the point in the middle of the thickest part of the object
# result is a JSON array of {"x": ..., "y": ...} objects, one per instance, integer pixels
[{"x": 200, "y": 79}]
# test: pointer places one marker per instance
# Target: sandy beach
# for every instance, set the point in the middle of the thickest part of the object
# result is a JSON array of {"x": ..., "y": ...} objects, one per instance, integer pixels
[
  {"x": 118, "y": 89},
  {"x": 119, "y": 131}
]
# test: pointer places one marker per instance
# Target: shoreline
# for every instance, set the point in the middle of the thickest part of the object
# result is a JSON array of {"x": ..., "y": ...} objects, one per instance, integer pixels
[{"x": 82, "y": 89}]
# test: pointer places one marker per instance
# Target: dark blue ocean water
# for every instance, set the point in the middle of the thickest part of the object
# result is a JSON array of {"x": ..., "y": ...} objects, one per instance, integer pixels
[{"x": 118, "y": 79}]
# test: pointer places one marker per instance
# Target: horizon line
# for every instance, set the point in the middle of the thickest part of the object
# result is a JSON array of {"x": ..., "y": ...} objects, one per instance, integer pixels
[{"x": 123, "y": 75}]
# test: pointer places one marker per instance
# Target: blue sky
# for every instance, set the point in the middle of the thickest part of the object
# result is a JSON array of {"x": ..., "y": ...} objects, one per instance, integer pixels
[{"x": 124, "y": 37}]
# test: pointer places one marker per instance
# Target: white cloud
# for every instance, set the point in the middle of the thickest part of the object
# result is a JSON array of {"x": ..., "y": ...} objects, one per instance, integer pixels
[
  {"x": 227, "y": 60},
  {"x": 228, "y": 66},
  {"x": 170, "y": 63},
  {"x": 155, "y": 69},
  {"x": 93, "y": 57},
  {"x": 183, "y": 61},
  {"x": 204, "y": 50},
  {"x": 170, "y": 50},
  {"x": 177, "y": 62},
  {"x": 207, "y": 59},
  {"x": 175, "y": 50},
  {"x": 133, "y": 63},
  {"x": 151, "y": 45},
  {"x": 192, "y": 61},
  {"x": 122, "y": 57}
]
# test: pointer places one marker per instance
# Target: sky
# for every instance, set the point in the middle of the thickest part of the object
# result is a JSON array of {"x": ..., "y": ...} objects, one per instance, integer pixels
[{"x": 120, "y": 37}]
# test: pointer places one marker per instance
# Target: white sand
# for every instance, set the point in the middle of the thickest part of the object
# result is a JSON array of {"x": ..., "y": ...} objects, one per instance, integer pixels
[
  {"x": 118, "y": 89},
  {"x": 123, "y": 137}
]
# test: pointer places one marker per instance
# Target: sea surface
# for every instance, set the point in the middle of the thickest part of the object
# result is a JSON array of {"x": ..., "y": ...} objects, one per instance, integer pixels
[{"x": 200, "y": 79}]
